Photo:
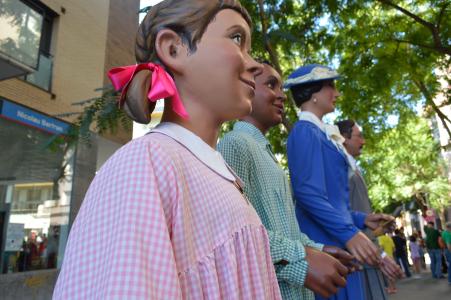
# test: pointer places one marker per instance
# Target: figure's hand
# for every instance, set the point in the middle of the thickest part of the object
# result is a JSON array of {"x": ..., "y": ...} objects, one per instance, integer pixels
[
  {"x": 390, "y": 268},
  {"x": 343, "y": 256},
  {"x": 325, "y": 274},
  {"x": 382, "y": 222},
  {"x": 363, "y": 249}
]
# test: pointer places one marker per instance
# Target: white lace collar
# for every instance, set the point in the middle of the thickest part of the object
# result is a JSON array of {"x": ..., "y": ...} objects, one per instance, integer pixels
[
  {"x": 310, "y": 117},
  {"x": 207, "y": 155},
  {"x": 332, "y": 133}
]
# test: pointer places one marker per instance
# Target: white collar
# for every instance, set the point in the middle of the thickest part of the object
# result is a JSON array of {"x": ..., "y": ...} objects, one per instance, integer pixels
[
  {"x": 207, "y": 155},
  {"x": 332, "y": 133},
  {"x": 312, "y": 118},
  {"x": 352, "y": 165},
  {"x": 352, "y": 161}
]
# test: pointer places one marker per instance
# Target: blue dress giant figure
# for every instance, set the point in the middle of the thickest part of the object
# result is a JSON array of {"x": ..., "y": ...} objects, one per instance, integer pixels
[{"x": 318, "y": 167}]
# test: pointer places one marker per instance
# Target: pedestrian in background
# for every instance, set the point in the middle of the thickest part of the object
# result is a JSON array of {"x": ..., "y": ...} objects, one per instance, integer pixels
[
  {"x": 442, "y": 246},
  {"x": 422, "y": 250},
  {"x": 435, "y": 253},
  {"x": 387, "y": 244},
  {"x": 446, "y": 236},
  {"x": 415, "y": 255},
  {"x": 401, "y": 251}
]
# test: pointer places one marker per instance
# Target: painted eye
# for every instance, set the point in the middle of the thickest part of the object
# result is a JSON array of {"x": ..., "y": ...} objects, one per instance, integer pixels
[
  {"x": 270, "y": 85},
  {"x": 331, "y": 84},
  {"x": 237, "y": 38}
]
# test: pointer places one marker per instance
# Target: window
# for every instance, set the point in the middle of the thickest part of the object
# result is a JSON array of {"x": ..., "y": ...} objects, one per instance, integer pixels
[
  {"x": 43, "y": 76},
  {"x": 21, "y": 32}
]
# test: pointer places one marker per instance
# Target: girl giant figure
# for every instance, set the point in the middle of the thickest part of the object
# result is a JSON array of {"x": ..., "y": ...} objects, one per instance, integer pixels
[{"x": 165, "y": 218}]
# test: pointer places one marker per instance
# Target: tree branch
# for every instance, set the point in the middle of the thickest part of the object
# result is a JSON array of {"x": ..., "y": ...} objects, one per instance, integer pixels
[
  {"x": 443, "y": 50},
  {"x": 272, "y": 54},
  {"x": 440, "y": 16},
  {"x": 264, "y": 21},
  {"x": 440, "y": 113},
  {"x": 434, "y": 29},
  {"x": 443, "y": 118},
  {"x": 409, "y": 14},
  {"x": 286, "y": 122}
]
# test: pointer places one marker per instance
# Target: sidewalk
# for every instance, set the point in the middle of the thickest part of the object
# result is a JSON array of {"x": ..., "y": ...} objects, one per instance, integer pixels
[{"x": 424, "y": 288}]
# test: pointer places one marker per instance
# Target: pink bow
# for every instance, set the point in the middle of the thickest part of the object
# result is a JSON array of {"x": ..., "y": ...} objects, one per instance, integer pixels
[{"x": 162, "y": 85}]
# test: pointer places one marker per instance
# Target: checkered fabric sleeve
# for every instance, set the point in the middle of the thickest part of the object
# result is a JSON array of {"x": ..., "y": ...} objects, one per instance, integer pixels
[{"x": 306, "y": 241}]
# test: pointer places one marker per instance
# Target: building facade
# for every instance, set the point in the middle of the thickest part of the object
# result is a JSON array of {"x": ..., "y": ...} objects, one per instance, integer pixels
[
  {"x": 53, "y": 53},
  {"x": 440, "y": 132}
]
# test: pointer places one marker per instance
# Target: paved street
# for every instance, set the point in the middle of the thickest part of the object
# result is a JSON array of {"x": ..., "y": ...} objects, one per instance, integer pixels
[{"x": 424, "y": 288}]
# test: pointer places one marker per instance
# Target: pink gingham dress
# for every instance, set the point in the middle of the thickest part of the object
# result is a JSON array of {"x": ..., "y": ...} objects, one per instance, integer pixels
[{"x": 163, "y": 220}]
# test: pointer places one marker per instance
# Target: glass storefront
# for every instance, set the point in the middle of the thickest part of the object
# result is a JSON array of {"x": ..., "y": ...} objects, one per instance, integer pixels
[{"x": 35, "y": 191}]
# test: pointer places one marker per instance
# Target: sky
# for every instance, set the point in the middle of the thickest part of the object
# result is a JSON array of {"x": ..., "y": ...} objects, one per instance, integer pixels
[
  {"x": 145, "y": 3},
  {"x": 149, "y": 2}
]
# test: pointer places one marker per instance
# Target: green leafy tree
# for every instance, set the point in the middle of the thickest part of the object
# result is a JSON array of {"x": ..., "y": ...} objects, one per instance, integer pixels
[
  {"x": 403, "y": 164},
  {"x": 388, "y": 53}
]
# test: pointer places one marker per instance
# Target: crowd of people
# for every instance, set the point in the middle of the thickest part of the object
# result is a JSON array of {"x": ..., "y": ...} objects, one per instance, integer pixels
[
  {"x": 437, "y": 244},
  {"x": 194, "y": 222},
  {"x": 38, "y": 251}
]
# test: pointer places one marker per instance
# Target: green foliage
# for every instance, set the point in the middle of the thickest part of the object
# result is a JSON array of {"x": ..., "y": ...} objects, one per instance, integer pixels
[
  {"x": 100, "y": 114},
  {"x": 388, "y": 53},
  {"x": 404, "y": 163},
  {"x": 386, "y": 56},
  {"x": 104, "y": 113}
]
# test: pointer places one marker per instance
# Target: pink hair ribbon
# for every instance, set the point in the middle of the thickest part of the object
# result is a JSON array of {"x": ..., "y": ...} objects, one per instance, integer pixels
[{"x": 162, "y": 85}]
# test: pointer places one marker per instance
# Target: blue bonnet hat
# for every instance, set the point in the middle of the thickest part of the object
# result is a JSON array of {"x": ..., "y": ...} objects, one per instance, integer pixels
[{"x": 309, "y": 74}]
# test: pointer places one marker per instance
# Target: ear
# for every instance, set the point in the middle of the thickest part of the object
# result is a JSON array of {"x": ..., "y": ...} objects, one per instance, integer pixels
[{"x": 171, "y": 51}]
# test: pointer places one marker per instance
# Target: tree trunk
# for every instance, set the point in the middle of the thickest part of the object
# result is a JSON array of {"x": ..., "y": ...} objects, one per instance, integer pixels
[
  {"x": 274, "y": 58},
  {"x": 272, "y": 54},
  {"x": 443, "y": 118}
]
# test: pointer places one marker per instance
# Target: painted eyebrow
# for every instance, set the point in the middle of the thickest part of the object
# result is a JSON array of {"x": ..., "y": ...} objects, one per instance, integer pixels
[
  {"x": 235, "y": 27},
  {"x": 240, "y": 29},
  {"x": 273, "y": 78}
]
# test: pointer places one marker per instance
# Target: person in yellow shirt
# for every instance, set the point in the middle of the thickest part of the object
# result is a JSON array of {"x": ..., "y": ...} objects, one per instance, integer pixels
[{"x": 388, "y": 246}]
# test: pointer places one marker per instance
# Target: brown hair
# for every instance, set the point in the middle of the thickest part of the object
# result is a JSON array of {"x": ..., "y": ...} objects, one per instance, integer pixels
[
  {"x": 345, "y": 127},
  {"x": 189, "y": 19},
  {"x": 304, "y": 92}
]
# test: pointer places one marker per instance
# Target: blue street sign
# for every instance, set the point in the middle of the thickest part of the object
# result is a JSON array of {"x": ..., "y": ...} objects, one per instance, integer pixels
[{"x": 26, "y": 116}]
